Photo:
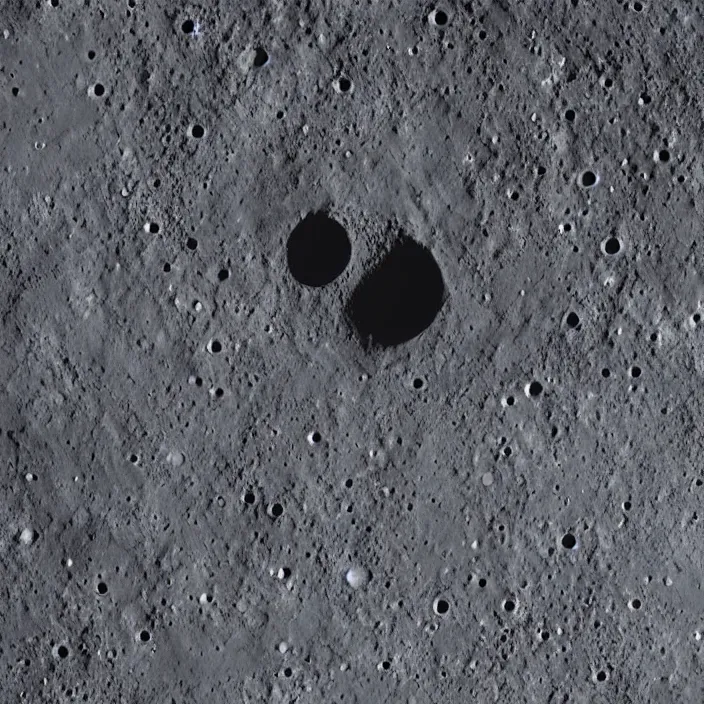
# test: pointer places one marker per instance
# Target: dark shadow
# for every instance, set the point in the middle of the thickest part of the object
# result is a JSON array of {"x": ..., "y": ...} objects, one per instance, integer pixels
[
  {"x": 319, "y": 250},
  {"x": 399, "y": 299}
]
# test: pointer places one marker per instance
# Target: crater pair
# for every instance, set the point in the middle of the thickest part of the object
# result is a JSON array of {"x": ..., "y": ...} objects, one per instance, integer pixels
[{"x": 394, "y": 302}]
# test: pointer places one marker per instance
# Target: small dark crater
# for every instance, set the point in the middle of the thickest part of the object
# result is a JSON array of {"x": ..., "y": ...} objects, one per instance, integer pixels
[
  {"x": 318, "y": 250},
  {"x": 612, "y": 245},
  {"x": 589, "y": 179},
  {"x": 572, "y": 320},
  {"x": 261, "y": 57},
  {"x": 569, "y": 541},
  {"x": 400, "y": 298}
]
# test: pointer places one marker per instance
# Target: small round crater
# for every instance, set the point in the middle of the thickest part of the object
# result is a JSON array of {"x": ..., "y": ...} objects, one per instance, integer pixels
[
  {"x": 400, "y": 298},
  {"x": 99, "y": 90},
  {"x": 441, "y": 606},
  {"x": 418, "y": 383},
  {"x": 635, "y": 371},
  {"x": 249, "y": 498},
  {"x": 572, "y": 320},
  {"x": 343, "y": 84},
  {"x": 261, "y": 57},
  {"x": 192, "y": 244},
  {"x": 275, "y": 510},
  {"x": 570, "y": 115},
  {"x": 314, "y": 438},
  {"x": 509, "y": 605},
  {"x": 569, "y": 542},
  {"x": 318, "y": 250},
  {"x": 62, "y": 652},
  {"x": 134, "y": 458},
  {"x": 606, "y": 372},
  {"x": 197, "y": 131},
  {"x": 188, "y": 26},
  {"x": 215, "y": 347},
  {"x": 664, "y": 156},
  {"x": 145, "y": 636},
  {"x": 101, "y": 588},
  {"x": 223, "y": 274},
  {"x": 612, "y": 246},
  {"x": 534, "y": 389},
  {"x": 634, "y": 604},
  {"x": 588, "y": 179},
  {"x": 601, "y": 676},
  {"x": 438, "y": 17}
]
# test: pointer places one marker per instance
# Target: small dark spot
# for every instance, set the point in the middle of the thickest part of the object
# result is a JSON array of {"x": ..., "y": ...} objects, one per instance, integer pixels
[
  {"x": 91, "y": 55},
  {"x": 601, "y": 675},
  {"x": 418, "y": 383},
  {"x": 482, "y": 582},
  {"x": 62, "y": 652},
  {"x": 318, "y": 250},
  {"x": 535, "y": 389},
  {"x": 219, "y": 392},
  {"x": 216, "y": 346},
  {"x": 696, "y": 318},
  {"x": 288, "y": 672},
  {"x": 606, "y": 373},
  {"x": 99, "y": 89},
  {"x": 344, "y": 84},
  {"x": 280, "y": 114},
  {"x": 510, "y": 400},
  {"x": 440, "y": 18},
  {"x": 588, "y": 179},
  {"x": 145, "y": 636},
  {"x": 509, "y": 605},
  {"x": 153, "y": 228},
  {"x": 626, "y": 505},
  {"x": 570, "y": 115},
  {"x": 442, "y": 606},
  {"x": 223, "y": 274},
  {"x": 664, "y": 156},
  {"x": 316, "y": 437},
  {"x": 636, "y": 604},
  {"x": 635, "y": 371},
  {"x": 192, "y": 243},
  {"x": 277, "y": 510},
  {"x": 638, "y": 6},
  {"x": 261, "y": 57},
  {"x": 569, "y": 541},
  {"x": 482, "y": 34},
  {"x": 134, "y": 458},
  {"x": 541, "y": 171},
  {"x": 612, "y": 245},
  {"x": 572, "y": 320},
  {"x": 187, "y": 27},
  {"x": 249, "y": 498},
  {"x": 197, "y": 131},
  {"x": 102, "y": 588},
  {"x": 15, "y": 91},
  {"x": 386, "y": 664},
  {"x": 167, "y": 267}
]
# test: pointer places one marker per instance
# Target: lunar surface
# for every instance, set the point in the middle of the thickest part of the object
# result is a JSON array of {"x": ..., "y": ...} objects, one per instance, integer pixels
[{"x": 351, "y": 352}]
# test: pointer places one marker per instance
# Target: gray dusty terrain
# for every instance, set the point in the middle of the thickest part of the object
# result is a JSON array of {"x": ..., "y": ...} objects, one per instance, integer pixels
[{"x": 351, "y": 352}]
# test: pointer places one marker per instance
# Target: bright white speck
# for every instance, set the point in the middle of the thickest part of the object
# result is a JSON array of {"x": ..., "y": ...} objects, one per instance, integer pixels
[
  {"x": 358, "y": 577},
  {"x": 27, "y": 536}
]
